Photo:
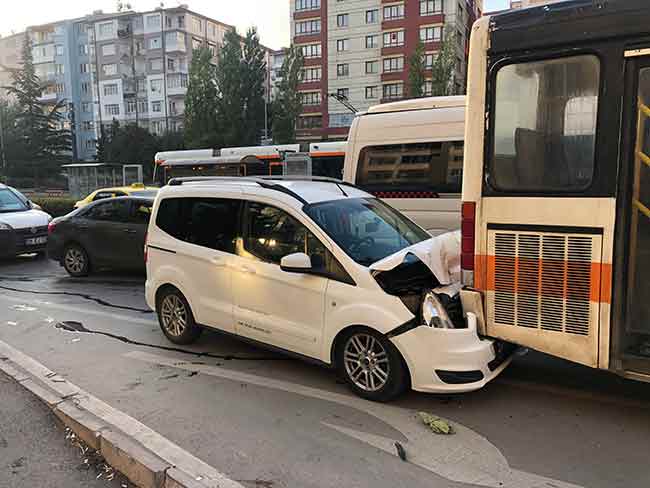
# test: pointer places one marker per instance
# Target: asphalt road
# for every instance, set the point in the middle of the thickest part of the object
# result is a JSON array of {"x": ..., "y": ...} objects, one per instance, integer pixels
[{"x": 270, "y": 421}]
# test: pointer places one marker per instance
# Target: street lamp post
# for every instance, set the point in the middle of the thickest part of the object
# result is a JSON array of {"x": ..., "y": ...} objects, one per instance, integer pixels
[{"x": 2, "y": 149}]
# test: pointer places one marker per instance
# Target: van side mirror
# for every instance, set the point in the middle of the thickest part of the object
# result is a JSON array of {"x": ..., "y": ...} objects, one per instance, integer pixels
[{"x": 296, "y": 263}]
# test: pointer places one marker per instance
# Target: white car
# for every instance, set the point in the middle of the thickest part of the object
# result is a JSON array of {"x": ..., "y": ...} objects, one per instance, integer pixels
[
  {"x": 319, "y": 269},
  {"x": 23, "y": 225}
]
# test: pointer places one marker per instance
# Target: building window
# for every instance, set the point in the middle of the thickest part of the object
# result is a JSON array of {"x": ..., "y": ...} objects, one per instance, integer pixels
[
  {"x": 109, "y": 69},
  {"x": 372, "y": 92},
  {"x": 197, "y": 25},
  {"x": 112, "y": 109},
  {"x": 307, "y": 5},
  {"x": 310, "y": 75},
  {"x": 111, "y": 89},
  {"x": 393, "y": 64},
  {"x": 85, "y": 88},
  {"x": 156, "y": 64},
  {"x": 430, "y": 34},
  {"x": 372, "y": 16},
  {"x": 83, "y": 49},
  {"x": 343, "y": 93},
  {"x": 156, "y": 107},
  {"x": 85, "y": 107},
  {"x": 342, "y": 45},
  {"x": 141, "y": 85},
  {"x": 372, "y": 42},
  {"x": 342, "y": 20},
  {"x": 58, "y": 50},
  {"x": 60, "y": 88},
  {"x": 108, "y": 49},
  {"x": 180, "y": 21},
  {"x": 153, "y": 21},
  {"x": 143, "y": 106},
  {"x": 310, "y": 98},
  {"x": 311, "y": 51},
  {"x": 308, "y": 27},
  {"x": 343, "y": 69},
  {"x": 171, "y": 64},
  {"x": 428, "y": 61},
  {"x": 310, "y": 122},
  {"x": 106, "y": 30},
  {"x": 156, "y": 85},
  {"x": 84, "y": 68},
  {"x": 430, "y": 7},
  {"x": 341, "y": 120},
  {"x": 87, "y": 125},
  {"x": 394, "y": 39},
  {"x": 393, "y": 91},
  {"x": 59, "y": 69},
  {"x": 131, "y": 106},
  {"x": 157, "y": 127},
  {"x": 154, "y": 43},
  {"x": 372, "y": 67},
  {"x": 90, "y": 144},
  {"x": 392, "y": 12},
  {"x": 177, "y": 81}
]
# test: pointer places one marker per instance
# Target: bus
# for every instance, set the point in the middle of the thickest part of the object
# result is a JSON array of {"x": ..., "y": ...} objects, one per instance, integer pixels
[
  {"x": 410, "y": 154},
  {"x": 556, "y": 184},
  {"x": 326, "y": 160}
]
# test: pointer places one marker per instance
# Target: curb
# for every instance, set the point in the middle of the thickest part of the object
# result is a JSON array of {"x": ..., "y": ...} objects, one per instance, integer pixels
[{"x": 146, "y": 458}]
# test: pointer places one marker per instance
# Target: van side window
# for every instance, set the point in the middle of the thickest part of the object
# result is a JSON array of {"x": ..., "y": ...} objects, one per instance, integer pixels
[
  {"x": 544, "y": 131},
  {"x": 272, "y": 234},
  {"x": 206, "y": 222},
  {"x": 419, "y": 167}
]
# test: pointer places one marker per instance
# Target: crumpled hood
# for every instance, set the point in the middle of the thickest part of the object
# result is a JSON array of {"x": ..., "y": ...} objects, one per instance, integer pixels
[
  {"x": 25, "y": 219},
  {"x": 441, "y": 254}
]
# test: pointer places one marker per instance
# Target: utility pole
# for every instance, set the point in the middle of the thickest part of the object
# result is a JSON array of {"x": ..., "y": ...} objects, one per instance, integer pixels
[{"x": 5, "y": 177}]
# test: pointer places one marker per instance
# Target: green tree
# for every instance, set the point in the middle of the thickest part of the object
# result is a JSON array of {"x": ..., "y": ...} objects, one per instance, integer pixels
[
  {"x": 417, "y": 71},
  {"x": 253, "y": 80},
  {"x": 230, "y": 97},
  {"x": 9, "y": 139},
  {"x": 286, "y": 105},
  {"x": 42, "y": 141},
  {"x": 442, "y": 78},
  {"x": 201, "y": 129}
]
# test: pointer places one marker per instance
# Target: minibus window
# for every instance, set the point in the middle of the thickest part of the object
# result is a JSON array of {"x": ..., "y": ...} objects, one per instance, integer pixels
[{"x": 544, "y": 132}]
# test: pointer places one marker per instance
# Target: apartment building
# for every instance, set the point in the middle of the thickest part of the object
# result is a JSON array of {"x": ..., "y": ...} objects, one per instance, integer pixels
[
  {"x": 358, "y": 50},
  {"x": 127, "y": 66}
]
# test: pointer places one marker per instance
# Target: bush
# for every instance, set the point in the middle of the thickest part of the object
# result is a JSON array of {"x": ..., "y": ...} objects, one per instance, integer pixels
[{"x": 55, "y": 206}]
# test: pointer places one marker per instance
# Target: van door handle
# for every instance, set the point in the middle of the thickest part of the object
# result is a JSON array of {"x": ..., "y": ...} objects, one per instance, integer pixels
[
  {"x": 130, "y": 231},
  {"x": 218, "y": 262},
  {"x": 247, "y": 269}
]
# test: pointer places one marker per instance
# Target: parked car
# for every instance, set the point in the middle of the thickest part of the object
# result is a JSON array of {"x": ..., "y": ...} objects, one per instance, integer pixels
[
  {"x": 320, "y": 269},
  {"x": 105, "y": 234},
  {"x": 23, "y": 225},
  {"x": 134, "y": 190}
]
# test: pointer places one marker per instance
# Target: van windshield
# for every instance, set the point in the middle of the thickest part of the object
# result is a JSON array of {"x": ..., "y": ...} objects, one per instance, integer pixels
[
  {"x": 367, "y": 229},
  {"x": 9, "y": 202}
]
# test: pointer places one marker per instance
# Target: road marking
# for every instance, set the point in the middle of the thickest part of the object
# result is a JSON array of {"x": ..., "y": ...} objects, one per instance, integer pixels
[
  {"x": 466, "y": 457},
  {"x": 98, "y": 313}
]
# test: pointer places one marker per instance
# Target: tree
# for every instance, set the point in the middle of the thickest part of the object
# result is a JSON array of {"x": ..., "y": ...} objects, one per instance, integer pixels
[
  {"x": 417, "y": 71},
  {"x": 42, "y": 141},
  {"x": 442, "y": 78},
  {"x": 287, "y": 106},
  {"x": 201, "y": 129},
  {"x": 253, "y": 80},
  {"x": 230, "y": 98}
]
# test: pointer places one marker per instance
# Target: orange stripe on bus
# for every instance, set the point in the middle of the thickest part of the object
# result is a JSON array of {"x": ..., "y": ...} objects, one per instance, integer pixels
[
  {"x": 326, "y": 154},
  {"x": 600, "y": 277}
]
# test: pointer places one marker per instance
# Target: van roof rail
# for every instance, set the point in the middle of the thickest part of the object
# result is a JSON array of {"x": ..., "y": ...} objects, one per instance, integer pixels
[{"x": 265, "y": 182}]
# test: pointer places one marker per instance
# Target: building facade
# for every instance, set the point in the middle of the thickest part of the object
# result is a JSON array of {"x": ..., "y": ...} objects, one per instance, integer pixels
[
  {"x": 131, "y": 67},
  {"x": 530, "y": 3},
  {"x": 359, "y": 51}
]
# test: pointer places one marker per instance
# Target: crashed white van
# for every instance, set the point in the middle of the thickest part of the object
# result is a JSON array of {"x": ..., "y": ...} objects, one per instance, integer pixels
[{"x": 319, "y": 269}]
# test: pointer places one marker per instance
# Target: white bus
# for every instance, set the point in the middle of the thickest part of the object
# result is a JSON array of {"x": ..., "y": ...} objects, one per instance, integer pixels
[{"x": 410, "y": 154}]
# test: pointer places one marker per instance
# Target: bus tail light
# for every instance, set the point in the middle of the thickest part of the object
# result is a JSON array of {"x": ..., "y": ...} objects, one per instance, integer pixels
[
  {"x": 468, "y": 241},
  {"x": 146, "y": 248}
]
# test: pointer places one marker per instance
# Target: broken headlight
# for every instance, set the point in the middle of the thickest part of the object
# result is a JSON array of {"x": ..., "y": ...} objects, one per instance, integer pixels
[{"x": 434, "y": 313}]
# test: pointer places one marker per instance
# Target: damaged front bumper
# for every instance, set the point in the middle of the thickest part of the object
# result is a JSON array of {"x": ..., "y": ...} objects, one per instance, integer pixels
[{"x": 451, "y": 360}]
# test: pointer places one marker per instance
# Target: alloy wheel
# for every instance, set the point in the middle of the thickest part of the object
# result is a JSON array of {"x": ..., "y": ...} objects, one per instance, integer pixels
[
  {"x": 75, "y": 260},
  {"x": 174, "y": 315},
  {"x": 366, "y": 362}
]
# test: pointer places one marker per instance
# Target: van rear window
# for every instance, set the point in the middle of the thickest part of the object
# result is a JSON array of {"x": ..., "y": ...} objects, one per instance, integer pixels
[{"x": 420, "y": 167}]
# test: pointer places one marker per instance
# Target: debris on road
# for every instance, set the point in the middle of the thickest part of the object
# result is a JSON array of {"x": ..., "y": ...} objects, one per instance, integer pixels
[
  {"x": 24, "y": 308},
  {"x": 436, "y": 424},
  {"x": 401, "y": 452}
]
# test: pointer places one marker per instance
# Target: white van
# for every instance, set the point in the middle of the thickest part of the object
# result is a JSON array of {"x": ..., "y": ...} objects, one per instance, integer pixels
[{"x": 410, "y": 154}]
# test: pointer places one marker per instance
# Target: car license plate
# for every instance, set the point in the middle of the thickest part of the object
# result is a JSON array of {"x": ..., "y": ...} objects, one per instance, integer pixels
[{"x": 35, "y": 241}]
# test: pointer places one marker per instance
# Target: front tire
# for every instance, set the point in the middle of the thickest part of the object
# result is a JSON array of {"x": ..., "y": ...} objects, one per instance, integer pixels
[
  {"x": 371, "y": 365},
  {"x": 76, "y": 261},
  {"x": 175, "y": 317}
]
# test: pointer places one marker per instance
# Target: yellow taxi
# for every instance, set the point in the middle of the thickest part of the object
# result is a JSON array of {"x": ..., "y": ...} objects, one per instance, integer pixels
[{"x": 136, "y": 190}]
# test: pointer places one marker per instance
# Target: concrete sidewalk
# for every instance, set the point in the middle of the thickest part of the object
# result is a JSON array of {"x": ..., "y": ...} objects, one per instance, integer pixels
[{"x": 33, "y": 448}]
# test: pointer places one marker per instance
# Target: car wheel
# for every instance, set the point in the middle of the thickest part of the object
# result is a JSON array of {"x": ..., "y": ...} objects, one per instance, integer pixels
[
  {"x": 175, "y": 317},
  {"x": 76, "y": 261},
  {"x": 371, "y": 365}
]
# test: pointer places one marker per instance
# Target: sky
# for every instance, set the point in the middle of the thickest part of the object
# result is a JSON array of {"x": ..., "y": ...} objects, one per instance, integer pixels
[{"x": 270, "y": 16}]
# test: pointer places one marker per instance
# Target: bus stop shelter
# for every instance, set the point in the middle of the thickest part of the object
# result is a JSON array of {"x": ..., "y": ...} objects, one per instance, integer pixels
[{"x": 84, "y": 178}]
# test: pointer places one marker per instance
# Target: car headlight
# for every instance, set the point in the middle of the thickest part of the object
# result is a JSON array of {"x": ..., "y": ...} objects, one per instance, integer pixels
[
  {"x": 4, "y": 226},
  {"x": 434, "y": 313}
]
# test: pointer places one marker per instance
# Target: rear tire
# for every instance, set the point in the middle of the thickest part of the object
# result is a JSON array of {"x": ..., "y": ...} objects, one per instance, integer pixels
[
  {"x": 371, "y": 365},
  {"x": 175, "y": 317},
  {"x": 76, "y": 261}
]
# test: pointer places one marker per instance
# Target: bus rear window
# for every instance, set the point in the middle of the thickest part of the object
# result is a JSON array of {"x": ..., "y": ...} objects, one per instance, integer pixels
[
  {"x": 431, "y": 166},
  {"x": 544, "y": 132}
]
